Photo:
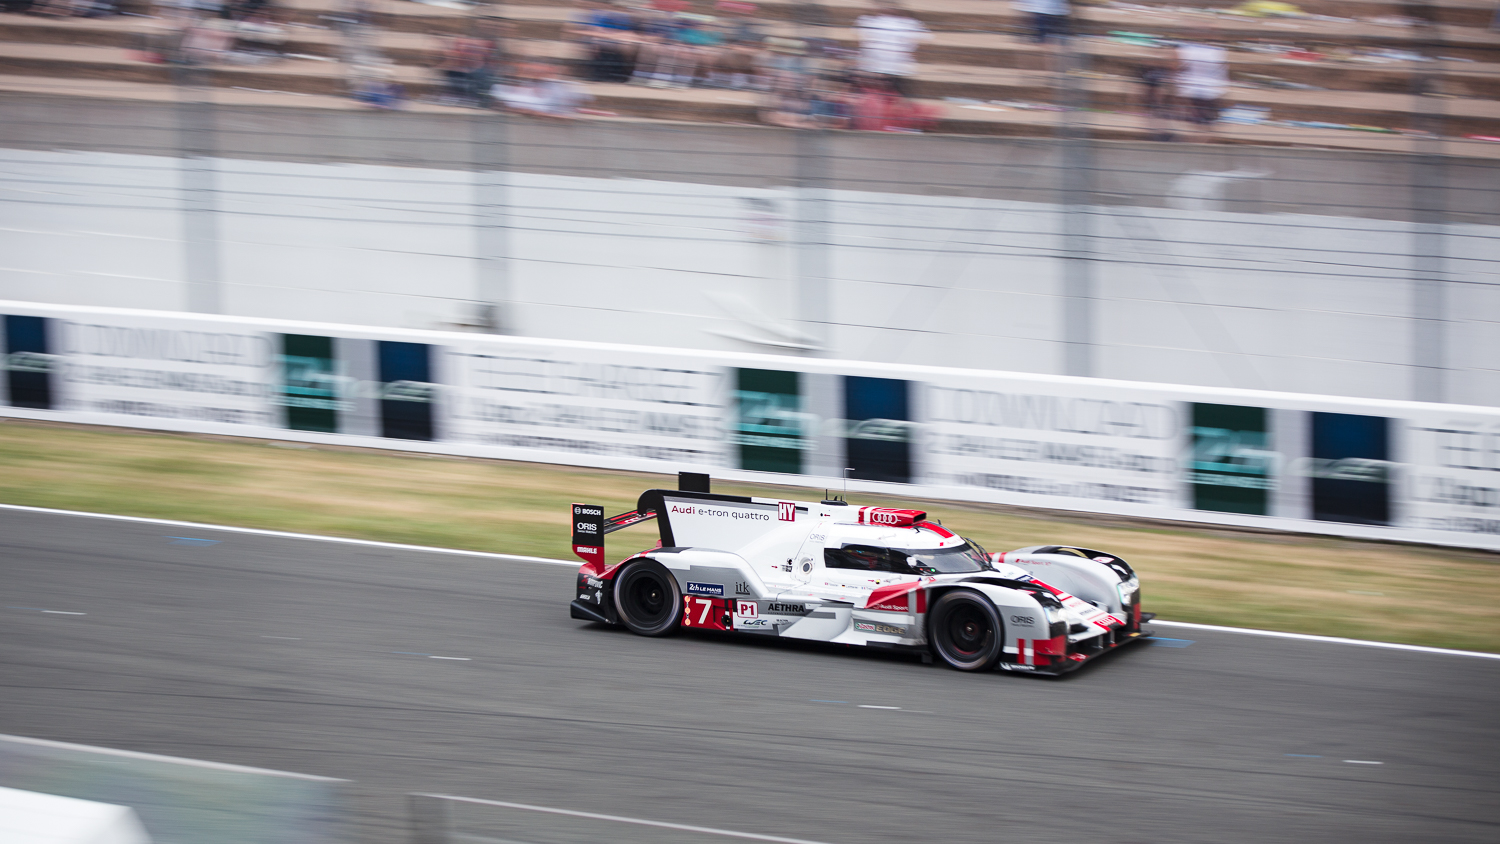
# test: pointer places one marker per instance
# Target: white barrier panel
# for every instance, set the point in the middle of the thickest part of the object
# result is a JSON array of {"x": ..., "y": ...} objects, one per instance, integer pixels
[
  {"x": 27, "y": 817},
  {"x": 1400, "y": 471}
]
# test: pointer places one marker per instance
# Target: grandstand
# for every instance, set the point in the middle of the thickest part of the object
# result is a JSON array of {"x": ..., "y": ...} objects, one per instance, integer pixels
[{"x": 1364, "y": 73}]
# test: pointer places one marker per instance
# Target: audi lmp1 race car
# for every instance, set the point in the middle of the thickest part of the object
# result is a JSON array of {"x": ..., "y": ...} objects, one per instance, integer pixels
[{"x": 872, "y": 576}]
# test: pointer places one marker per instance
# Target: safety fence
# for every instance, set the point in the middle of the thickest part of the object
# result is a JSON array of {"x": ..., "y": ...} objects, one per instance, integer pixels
[
  {"x": 173, "y": 800},
  {"x": 1361, "y": 468},
  {"x": 1363, "y": 272},
  {"x": 79, "y": 794}
]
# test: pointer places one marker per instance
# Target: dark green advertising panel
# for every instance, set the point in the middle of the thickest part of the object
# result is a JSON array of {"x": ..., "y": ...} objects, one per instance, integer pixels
[
  {"x": 1232, "y": 467},
  {"x": 768, "y": 424},
  {"x": 309, "y": 387}
]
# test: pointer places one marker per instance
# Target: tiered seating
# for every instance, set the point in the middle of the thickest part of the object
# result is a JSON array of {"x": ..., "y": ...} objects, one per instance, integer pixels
[{"x": 983, "y": 76}]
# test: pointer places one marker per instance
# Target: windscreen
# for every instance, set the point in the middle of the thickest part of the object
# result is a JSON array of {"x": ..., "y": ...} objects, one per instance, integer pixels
[{"x": 957, "y": 560}]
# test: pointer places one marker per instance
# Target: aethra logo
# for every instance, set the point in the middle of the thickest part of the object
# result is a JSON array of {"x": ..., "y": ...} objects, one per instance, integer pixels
[{"x": 788, "y": 511}]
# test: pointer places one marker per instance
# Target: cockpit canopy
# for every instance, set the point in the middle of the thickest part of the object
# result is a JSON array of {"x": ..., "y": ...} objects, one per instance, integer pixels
[{"x": 956, "y": 559}]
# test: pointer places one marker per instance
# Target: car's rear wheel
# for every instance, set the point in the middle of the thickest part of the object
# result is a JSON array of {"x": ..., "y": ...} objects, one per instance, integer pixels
[
  {"x": 647, "y": 599},
  {"x": 965, "y": 632}
]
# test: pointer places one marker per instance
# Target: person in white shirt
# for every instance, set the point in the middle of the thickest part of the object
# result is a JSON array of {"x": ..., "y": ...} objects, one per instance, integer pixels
[
  {"x": 887, "y": 41},
  {"x": 1202, "y": 79}
]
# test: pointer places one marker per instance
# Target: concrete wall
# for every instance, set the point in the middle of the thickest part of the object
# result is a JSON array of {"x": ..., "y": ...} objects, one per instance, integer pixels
[{"x": 1370, "y": 275}]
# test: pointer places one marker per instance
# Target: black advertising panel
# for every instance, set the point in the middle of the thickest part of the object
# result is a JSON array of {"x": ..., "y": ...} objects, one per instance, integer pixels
[
  {"x": 588, "y": 533},
  {"x": 405, "y": 390},
  {"x": 309, "y": 383},
  {"x": 877, "y": 441},
  {"x": 1351, "y": 468},
  {"x": 1232, "y": 467},
  {"x": 28, "y": 361}
]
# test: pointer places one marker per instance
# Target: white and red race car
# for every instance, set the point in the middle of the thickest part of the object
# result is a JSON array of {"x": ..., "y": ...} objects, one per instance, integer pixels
[{"x": 835, "y": 572}]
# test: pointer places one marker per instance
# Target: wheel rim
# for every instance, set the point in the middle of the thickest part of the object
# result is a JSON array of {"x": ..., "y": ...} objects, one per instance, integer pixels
[
  {"x": 647, "y": 599},
  {"x": 969, "y": 631}
]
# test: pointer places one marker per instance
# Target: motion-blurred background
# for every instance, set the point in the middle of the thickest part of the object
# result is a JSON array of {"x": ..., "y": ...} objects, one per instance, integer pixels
[
  {"x": 826, "y": 243},
  {"x": 1009, "y": 212}
]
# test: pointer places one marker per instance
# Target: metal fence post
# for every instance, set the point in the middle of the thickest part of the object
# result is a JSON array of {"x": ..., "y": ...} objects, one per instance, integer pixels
[
  {"x": 431, "y": 818},
  {"x": 1075, "y": 185},
  {"x": 491, "y": 143},
  {"x": 200, "y": 223},
  {"x": 1429, "y": 218},
  {"x": 812, "y": 237}
]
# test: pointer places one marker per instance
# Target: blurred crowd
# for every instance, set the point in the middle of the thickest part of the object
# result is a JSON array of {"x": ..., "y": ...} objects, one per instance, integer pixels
[
  {"x": 798, "y": 78},
  {"x": 805, "y": 81}
]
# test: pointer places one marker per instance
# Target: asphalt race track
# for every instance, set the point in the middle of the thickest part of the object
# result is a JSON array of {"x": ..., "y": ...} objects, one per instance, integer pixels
[{"x": 1231, "y": 738}]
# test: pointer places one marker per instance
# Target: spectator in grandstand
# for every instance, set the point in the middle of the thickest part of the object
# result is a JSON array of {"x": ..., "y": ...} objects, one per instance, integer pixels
[
  {"x": 378, "y": 89},
  {"x": 665, "y": 59},
  {"x": 1048, "y": 23},
  {"x": 462, "y": 67},
  {"x": 540, "y": 90},
  {"x": 606, "y": 40},
  {"x": 1202, "y": 78},
  {"x": 878, "y": 106},
  {"x": 887, "y": 41},
  {"x": 735, "y": 64},
  {"x": 207, "y": 40},
  {"x": 1155, "y": 79},
  {"x": 700, "y": 41}
]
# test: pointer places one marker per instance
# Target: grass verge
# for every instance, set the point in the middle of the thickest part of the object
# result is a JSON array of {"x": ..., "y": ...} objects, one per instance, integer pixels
[{"x": 1305, "y": 584}]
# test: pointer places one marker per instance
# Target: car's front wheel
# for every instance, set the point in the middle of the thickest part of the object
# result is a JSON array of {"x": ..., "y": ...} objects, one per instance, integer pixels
[
  {"x": 647, "y": 599},
  {"x": 965, "y": 630}
]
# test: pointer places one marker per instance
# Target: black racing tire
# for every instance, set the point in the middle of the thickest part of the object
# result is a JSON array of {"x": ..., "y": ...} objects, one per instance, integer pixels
[
  {"x": 965, "y": 631},
  {"x": 647, "y": 599}
]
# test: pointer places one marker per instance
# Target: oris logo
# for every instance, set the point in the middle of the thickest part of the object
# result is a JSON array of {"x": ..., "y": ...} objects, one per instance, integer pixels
[{"x": 1023, "y": 619}]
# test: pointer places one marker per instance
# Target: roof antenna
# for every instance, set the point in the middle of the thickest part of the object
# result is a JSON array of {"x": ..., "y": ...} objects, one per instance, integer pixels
[{"x": 847, "y": 470}]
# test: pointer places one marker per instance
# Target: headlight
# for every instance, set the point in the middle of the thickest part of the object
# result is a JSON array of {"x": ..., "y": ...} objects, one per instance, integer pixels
[{"x": 1128, "y": 591}]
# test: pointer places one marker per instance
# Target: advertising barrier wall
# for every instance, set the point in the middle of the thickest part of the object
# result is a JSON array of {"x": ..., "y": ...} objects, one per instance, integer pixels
[{"x": 1401, "y": 471}]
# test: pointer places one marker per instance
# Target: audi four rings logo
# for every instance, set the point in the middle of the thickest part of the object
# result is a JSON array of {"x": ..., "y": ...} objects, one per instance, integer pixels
[
  {"x": 880, "y": 517},
  {"x": 786, "y": 511}
]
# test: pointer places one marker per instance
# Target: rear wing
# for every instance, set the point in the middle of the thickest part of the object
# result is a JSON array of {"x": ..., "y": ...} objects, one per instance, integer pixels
[{"x": 590, "y": 527}]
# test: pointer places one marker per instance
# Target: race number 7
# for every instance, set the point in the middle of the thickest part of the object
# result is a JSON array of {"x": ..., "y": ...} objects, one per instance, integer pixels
[{"x": 707, "y": 607}]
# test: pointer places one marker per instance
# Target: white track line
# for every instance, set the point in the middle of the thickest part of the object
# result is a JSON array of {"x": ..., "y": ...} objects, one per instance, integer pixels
[
  {"x": 707, "y": 830},
  {"x": 341, "y": 540},
  {"x": 1330, "y": 639},
  {"x": 425, "y": 549}
]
